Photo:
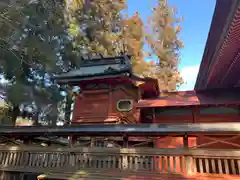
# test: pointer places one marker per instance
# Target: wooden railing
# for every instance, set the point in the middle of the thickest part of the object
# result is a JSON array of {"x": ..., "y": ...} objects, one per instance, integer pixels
[{"x": 179, "y": 161}]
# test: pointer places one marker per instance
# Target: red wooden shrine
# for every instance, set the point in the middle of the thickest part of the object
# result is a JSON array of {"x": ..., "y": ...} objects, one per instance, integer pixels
[{"x": 111, "y": 93}]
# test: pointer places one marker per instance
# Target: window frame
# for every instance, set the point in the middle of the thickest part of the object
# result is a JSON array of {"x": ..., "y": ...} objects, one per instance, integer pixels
[{"x": 124, "y": 110}]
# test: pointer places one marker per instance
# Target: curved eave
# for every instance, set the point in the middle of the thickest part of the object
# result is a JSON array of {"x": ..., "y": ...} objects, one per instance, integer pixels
[
  {"x": 77, "y": 81},
  {"x": 221, "y": 22},
  {"x": 225, "y": 71}
]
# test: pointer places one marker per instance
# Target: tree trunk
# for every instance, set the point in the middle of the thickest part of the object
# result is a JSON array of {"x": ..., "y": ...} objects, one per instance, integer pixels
[
  {"x": 68, "y": 111},
  {"x": 14, "y": 114},
  {"x": 35, "y": 119},
  {"x": 53, "y": 115}
]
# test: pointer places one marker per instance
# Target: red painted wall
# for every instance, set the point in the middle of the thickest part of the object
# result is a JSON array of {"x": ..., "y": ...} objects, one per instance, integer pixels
[
  {"x": 197, "y": 115},
  {"x": 100, "y": 105}
]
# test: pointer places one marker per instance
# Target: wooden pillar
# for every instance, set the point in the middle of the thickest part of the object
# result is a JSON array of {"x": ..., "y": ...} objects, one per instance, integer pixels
[
  {"x": 125, "y": 142},
  {"x": 110, "y": 99},
  {"x": 125, "y": 160},
  {"x": 71, "y": 141},
  {"x": 92, "y": 143},
  {"x": 185, "y": 142},
  {"x": 24, "y": 160},
  {"x": 195, "y": 115},
  {"x": 188, "y": 159},
  {"x": 154, "y": 115}
]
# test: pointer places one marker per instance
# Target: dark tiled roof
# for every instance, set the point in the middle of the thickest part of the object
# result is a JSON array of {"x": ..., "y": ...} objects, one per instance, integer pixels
[{"x": 99, "y": 67}]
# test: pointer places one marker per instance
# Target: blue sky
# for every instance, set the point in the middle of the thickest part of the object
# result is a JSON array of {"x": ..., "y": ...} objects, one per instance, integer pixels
[{"x": 195, "y": 26}]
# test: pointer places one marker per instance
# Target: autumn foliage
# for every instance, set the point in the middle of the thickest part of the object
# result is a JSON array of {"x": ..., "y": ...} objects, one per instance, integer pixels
[{"x": 41, "y": 38}]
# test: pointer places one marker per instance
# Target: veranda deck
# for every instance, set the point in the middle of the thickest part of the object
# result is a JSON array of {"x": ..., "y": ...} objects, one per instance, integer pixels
[
  {"x": 21, "y": 152},
  {"x": 121, "y": 162}
]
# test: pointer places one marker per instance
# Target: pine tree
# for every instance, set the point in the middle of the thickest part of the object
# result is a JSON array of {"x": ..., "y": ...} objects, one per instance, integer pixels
[
  {"x": 166, "y": 45},
  {"x": 32, "y": 46}
]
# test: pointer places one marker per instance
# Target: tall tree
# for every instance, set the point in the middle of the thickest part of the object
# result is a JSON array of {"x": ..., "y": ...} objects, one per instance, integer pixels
[
  {"x": 97, "y": 23},
  {"x": 133, "y": 40},
  {"x": 33, "y": 40},
  {"x": 41, "y": 38},
  {"x": 165, "y": 44}
]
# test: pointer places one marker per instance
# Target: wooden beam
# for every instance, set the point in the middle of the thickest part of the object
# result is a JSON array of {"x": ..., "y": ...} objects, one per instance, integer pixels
[
  {"x": 229, "y": 153},
  {"x": 125, "y": 129}
]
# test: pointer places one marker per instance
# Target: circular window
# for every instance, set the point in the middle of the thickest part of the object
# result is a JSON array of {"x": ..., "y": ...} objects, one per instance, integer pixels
[{"x": 124, "y": 105}]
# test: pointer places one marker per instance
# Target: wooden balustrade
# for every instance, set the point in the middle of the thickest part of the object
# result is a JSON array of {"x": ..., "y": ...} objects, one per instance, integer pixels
[{"x": 191, "y": 161}]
